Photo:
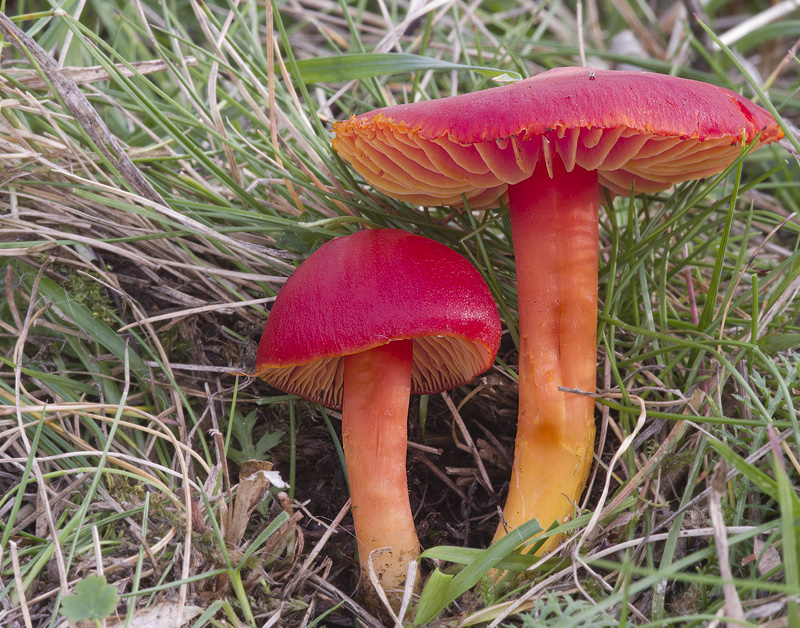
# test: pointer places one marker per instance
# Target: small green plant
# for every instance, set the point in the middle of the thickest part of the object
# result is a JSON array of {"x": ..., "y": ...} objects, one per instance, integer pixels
[
  {"x": 556, "y": 610},
  {"x": 88, "y": 291},
  {"x": 242, "y": 428},
  {"x": 94, "y": 599}
]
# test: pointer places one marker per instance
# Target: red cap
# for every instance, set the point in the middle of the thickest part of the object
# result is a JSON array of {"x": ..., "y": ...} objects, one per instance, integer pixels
[
  {"x": 640, "y": 128},
  {"x": 368, "y": 289}
]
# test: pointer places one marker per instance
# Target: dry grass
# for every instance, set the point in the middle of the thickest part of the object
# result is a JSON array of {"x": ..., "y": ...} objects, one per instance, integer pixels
[{"x": 153, "y": 201}]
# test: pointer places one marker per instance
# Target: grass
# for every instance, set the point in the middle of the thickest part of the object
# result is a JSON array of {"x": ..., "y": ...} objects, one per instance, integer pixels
[{"x": 139, "y": 261}]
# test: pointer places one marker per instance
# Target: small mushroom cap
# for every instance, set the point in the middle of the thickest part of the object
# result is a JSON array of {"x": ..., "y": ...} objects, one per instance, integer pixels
[
  {"x": 367, "y": 289},
  {"x": 635, "y": 128}
]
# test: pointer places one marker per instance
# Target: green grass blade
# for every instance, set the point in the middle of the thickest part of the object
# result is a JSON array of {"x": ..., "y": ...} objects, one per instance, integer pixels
[
  {"x": 442, "y": 589},
  {"x": 358, "y": 65}
]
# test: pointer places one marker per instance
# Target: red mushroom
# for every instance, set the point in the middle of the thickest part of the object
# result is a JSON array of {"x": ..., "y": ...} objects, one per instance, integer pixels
[
  {"x": 547, "y": 142},
  {"x": 363, "y": 322}
]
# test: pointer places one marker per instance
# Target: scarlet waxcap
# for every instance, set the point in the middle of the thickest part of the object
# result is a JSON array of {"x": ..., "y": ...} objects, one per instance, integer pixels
[
  {"x": 367, "y": 289},
  {"x": 635, "y": 128}
]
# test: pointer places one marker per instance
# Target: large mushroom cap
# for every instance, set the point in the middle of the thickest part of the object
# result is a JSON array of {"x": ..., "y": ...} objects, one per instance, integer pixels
[
  {"x": 365, "y": 290},
  {"x": 636, "y": 128}
]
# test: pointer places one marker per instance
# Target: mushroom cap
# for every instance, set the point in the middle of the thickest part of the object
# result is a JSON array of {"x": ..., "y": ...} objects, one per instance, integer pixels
[
  {"x": 365, "y": 290},
  {"x": 637, "y": 129}
]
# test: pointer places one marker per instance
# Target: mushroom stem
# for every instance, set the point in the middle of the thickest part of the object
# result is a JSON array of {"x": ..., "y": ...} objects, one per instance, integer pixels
[
  {"x": 377, "y": 385},
  {"x": 555, "y": 232}
]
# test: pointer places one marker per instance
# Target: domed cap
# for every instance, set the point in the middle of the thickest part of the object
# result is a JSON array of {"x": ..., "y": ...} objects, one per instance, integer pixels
[
  {"x": 635, "y": 128},
  {"x": 367, "y": 289}
]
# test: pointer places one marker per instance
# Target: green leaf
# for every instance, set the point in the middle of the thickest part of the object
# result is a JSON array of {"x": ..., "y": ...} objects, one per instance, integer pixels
[
  {"x": 366, "y": 65},
  {"x": 243, "y": 427},
  {"x": 93, "y": 599},
  {"x": 773, "y": 343},
  {"x": 435, "y": 597},
  {"x": 466, "y": 555},
  {"x": 442, "y": 589}
]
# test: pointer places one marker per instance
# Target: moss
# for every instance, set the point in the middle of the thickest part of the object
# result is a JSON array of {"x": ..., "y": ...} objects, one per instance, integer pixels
[{"x": 87, "y": 289}]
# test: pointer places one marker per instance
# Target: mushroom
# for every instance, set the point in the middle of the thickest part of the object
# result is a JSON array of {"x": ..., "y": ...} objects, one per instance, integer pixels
[
  {"x": 546, "y": 144},
  {"x": 362, "y": 323}
]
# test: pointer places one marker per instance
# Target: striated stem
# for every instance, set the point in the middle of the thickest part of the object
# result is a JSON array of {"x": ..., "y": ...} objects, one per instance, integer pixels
[
  {"x": 555, "y": 231},
  {"x": 374, "y": 432}
]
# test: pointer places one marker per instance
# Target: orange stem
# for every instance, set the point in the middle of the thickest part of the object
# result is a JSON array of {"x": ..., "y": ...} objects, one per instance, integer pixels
[
  {"x": 554, "y": 226},
  {"x": 377, "y": 384}
]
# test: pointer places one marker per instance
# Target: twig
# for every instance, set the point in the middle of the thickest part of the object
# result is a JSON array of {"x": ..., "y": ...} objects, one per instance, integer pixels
[
  {"x": 469, "y": 442},
  {"x": 733, "y": 605},
  {"x": 98, "y": 552},
  {"x": 363, "y": 616},
  {"x": 441, "y": 475},
  {"x": 31, "y": 79},
  {"x": 376, "y": 584},
  {"x": 759, "y": 20},
  {"x": 329, "y": 531},
  {"x": 23, "y": 603}
]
